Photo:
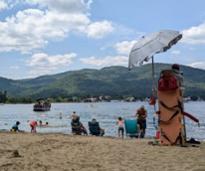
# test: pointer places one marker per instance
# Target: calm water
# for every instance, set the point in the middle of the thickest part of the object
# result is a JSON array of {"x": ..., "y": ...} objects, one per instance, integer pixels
[{"x": 105, "y": 112}]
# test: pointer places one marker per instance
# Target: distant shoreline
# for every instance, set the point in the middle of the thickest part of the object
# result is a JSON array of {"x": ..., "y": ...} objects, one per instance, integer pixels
[{"x": 99, "y": 102}]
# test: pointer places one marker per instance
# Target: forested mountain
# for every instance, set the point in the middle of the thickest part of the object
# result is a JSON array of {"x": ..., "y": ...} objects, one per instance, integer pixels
[{"x": 115, "y": 81}]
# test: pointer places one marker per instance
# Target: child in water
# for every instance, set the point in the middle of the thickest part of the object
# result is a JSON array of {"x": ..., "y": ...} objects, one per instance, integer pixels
[
  {"x": 41, "y": 124},
  {"x": 33, "y": 125},
  {"x": 120, "y": 123},
  {"x": 60, "y": 115}
]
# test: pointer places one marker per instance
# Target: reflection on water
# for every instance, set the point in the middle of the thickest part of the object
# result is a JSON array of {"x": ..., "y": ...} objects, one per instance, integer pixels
[{"x": 105, "y": 112}]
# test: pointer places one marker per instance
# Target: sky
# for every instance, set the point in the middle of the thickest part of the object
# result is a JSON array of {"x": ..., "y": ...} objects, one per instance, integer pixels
[{"x": 43, "y": 37}]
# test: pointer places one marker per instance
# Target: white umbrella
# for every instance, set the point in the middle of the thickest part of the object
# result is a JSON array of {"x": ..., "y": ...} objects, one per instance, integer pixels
[
  {"x": 154, "y": 43},
  {"x": 146, "y": 47}
]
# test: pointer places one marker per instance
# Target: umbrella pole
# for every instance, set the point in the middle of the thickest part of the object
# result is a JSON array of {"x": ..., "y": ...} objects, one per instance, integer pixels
[
  {"x": 153, "y": 80},
  {"x": 154, "y": 90}
]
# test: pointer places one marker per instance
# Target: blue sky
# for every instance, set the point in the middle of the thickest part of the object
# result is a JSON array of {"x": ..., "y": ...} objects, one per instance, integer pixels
[{"x": 41, "y": 37}]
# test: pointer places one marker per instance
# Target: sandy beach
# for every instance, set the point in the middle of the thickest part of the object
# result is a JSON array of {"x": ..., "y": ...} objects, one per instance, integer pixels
[{"x": 57, "y": 152}]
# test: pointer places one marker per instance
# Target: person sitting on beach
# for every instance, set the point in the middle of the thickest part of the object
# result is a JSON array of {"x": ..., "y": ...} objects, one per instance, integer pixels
[
  {"x": 141, "y": 120},
  {"x": 95, "y": 129},
  {"x": 33, "y": 125},
  {"x": 77, "y": 126},
  {"x": 120, "y": 123},
  {"x": 15, "y": 127}
]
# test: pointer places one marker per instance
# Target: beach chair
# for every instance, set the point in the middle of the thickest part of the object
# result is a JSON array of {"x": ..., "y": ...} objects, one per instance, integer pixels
[
  {"x": 131, "y": 128},
  {"x": 94, "y": 128}
]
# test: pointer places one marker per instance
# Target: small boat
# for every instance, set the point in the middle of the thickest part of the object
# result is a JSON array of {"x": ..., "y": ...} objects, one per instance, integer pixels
[{"x": 42, "y": 105}]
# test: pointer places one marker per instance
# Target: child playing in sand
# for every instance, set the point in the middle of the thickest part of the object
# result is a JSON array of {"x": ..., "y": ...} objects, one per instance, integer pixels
[
  {"x": 120, "y": 123},
  {"x": 15, "y": 128},
  {"x": 33, "y": 125}
]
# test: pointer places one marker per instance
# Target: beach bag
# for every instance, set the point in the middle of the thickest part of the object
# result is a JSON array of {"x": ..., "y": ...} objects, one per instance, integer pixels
[{"x": 167, "y": 81}]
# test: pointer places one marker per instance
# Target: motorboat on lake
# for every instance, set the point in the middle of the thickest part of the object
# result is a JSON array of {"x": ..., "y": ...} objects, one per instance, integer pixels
[{"x": 42, "y": 105}]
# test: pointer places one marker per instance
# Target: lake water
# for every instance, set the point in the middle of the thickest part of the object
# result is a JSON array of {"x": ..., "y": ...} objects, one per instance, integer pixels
[{"x": 105, "y": 112}]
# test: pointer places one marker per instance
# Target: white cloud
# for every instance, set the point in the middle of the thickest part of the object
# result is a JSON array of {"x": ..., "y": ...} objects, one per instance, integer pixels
[
  {"x": 15, "y": 67},
  {"x": 42, "y": 63},
  {"x": 106, "y": 61},
  {"x": 32, "y": 29},
  {"x": 124, "y": 47},
  {"x": 194, "y": 35},
  {"x": 99, "y": 29},
  {"x": 199, "y": 64},
  {"x": 176, "y": 52},
  {"x": 3, "y": 5},
  {"x": 64, "y": 6}
]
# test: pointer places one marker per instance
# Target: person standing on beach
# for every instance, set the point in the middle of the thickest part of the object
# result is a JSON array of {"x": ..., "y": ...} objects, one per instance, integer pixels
[
  {"x": 141, "y": 120},
  {"x": 120, "y": 123},
  {"x": 179, "y": 75}
]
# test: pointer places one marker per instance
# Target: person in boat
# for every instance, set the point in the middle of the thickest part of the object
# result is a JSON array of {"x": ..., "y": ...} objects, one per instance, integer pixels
[
  {"x": 95, "y": 129},
  {"x": 120, "y": 123},
  {"x": 15, "y": 127},
  {"x": 77, "y": 126},
  {"x": 141, "y": 115},
  {"x": 33, "y": 125}
]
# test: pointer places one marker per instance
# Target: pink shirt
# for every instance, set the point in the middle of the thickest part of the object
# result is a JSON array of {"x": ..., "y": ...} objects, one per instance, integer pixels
[{"x": 120, "y": 123}]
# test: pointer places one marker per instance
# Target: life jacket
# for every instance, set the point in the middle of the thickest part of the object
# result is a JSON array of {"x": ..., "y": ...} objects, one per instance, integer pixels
[{"x": 167, "y": 81}]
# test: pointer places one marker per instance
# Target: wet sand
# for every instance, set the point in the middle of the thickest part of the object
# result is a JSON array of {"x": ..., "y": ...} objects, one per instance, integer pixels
[{"x": 57, "y": 152}]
